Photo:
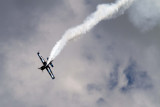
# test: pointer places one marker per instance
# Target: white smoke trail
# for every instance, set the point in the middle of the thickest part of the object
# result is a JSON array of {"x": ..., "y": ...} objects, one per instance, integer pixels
[{"x": 104, "y": 11}]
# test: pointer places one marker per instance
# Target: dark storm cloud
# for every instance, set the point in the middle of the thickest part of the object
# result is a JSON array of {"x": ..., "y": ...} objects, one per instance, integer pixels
[
  {"x": 19, "y": 18},
  {"x": 6, "y": 100},
  {"x": 6, "y": 97},
  {"x": 2, "y": 63}
]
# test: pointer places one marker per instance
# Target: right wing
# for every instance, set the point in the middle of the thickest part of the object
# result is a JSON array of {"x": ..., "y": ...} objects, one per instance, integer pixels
[{"x": 50, "y": 72}]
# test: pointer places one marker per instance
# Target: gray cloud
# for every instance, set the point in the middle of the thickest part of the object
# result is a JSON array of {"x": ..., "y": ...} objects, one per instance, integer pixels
[
  {"x": 89, "y": 72},
  {"x": 19, "y": 19},
  {"x": 145, "y": 14},
  {"x": 136, "y": 79},
  {"x": 113, "y": 81}
]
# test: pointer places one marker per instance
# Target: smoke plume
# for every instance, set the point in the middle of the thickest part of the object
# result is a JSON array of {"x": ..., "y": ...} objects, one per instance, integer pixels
[{"x": 104, "y": 11}]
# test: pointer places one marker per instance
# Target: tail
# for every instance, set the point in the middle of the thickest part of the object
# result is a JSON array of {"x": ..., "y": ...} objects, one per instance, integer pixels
[{"x": 50, "y": 63}]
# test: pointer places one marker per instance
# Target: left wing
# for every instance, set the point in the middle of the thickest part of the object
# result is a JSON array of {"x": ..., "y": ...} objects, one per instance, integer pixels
[
  {"x": 40, "y": 57},
  {"x": 50, "y": 72}
]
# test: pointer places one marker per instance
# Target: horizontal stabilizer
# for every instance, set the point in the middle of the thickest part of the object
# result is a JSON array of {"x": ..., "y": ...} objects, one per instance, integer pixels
[{"x": 51, "y": 64}]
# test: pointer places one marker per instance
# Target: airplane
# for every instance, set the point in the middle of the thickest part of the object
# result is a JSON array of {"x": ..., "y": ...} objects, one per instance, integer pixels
[{"x": 45, "y": 66}]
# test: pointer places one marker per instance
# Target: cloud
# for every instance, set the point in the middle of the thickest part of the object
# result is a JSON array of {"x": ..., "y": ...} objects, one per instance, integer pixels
[
  {"x": 145, "y": 14},
  {"x": 19, "y": 19},
  {"x": 113, "y": 79},
  {"x": 136, "y": 79},
  {"x": 100, "y": 60}
]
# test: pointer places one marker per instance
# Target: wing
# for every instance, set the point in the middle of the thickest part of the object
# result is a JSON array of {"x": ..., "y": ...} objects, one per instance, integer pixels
[
  {"x": 50, "y": 72},
  {"x": 40, "y": 57}
]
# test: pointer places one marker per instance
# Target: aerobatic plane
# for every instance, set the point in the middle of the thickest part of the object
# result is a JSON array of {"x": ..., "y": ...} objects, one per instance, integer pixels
[{"x": 45, "y": 66}]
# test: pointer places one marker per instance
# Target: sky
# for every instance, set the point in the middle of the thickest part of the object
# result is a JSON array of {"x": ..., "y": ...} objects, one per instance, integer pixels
[{"x": 116, "y": 64}]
